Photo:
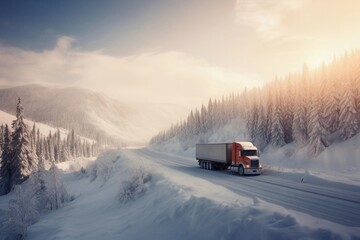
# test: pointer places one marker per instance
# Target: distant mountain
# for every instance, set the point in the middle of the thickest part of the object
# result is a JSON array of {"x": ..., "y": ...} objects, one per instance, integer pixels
[{"x": 90, "y": 114}]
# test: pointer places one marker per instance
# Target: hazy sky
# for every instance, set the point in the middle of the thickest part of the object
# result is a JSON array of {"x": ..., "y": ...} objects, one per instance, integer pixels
[{"x": 169, "y": 51}]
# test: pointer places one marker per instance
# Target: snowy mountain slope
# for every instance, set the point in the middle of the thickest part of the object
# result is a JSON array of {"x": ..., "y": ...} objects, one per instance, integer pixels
[
  {"x": 133, "y": 194},
  {"x": 90, "y": 113},
  {"x": 6, "y": 118}
]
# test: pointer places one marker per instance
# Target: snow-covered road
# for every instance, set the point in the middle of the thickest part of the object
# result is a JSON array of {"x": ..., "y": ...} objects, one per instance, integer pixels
[{"x": 332, "y": 201}]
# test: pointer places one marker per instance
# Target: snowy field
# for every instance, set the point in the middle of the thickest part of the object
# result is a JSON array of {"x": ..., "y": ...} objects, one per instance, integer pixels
[{"x": 139, "y": 193}]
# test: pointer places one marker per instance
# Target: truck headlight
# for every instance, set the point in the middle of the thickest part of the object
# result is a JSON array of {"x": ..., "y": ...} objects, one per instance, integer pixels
[{"x": 247, "y": 165}]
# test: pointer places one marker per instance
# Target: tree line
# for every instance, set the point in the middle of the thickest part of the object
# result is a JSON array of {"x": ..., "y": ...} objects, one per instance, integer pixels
[
  {"x": 24, "y": 152},
  {"x": 312, "y": 108}
]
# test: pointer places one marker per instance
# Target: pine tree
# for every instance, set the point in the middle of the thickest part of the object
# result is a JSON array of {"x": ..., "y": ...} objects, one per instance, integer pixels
[
  {"x": 261, "y": 129},
  {"x": 41, "y": 154},
  {"x": 5, "y": 168},
  {"x": 287, "y": 110},
  {"x": 55, "y": 190},
  {"x": 65, "y": 153},
  {"x": 318, "y": 132},
  {"x": 277, "y": 130},
  {"x": 33, "y": 137},
  {"x": 348, "y": 115},
  {"x": 299, "y": 123},
  {"x": 24, "y": 160},
  {"x": 50, "y": 144},
  {"x": 72, "y": 143},
  {"x": 332, "y": 104},
  {"x": 1, "y": 139},
  {"x": 356, "y": 84}
]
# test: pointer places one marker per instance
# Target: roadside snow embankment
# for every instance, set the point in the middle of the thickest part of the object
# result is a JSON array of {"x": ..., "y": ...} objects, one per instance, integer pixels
[{"x": 122, "y": 196}]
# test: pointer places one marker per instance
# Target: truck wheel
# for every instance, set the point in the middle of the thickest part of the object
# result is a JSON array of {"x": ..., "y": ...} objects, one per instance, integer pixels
[{"x": 241, "y": 170}]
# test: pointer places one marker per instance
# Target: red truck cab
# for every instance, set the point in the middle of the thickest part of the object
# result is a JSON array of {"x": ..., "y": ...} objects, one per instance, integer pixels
[{"x": 245, "y": 158}]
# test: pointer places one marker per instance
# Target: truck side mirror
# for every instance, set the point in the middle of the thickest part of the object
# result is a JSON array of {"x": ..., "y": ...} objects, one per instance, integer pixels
[{"x": 259, "y": 153}]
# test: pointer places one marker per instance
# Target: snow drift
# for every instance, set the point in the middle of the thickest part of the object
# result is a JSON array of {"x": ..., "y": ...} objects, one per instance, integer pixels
[{"x": 120, "y": 196}]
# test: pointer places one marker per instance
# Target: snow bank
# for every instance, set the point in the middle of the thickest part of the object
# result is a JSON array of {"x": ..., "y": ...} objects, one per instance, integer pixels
[
  {"x": 123, "y": 197},
  {"x": 338, "y": 162}
]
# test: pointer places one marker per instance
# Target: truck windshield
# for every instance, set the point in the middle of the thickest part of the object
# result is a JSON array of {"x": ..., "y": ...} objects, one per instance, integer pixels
[{"x": 249, "y": 153}]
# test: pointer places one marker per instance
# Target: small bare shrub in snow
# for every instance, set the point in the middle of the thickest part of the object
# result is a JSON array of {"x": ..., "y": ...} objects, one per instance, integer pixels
[{"x": 135, "y": 186}]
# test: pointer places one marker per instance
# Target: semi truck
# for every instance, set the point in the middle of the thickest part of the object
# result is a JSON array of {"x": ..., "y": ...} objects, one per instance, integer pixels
[{"x": 241, "y": 157}]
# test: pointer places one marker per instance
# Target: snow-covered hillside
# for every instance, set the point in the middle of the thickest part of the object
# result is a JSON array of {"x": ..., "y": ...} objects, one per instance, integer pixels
[
  {"x": 90, "y": 113},
  {"x": 69, "y": 108},
  {"x": 6, "y": 118},
  {"x": 340, "y": 159},
  {"x": 133, "y": 194}
]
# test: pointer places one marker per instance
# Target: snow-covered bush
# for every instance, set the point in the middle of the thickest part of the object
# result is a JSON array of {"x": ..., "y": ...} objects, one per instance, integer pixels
[
  {"x": 22, "y": 212},
  {"x": 134, "y": 187},
  {"x": 130, "y": 176},
  {"x": 42, "y": 192},
  {"x": 103, "y": 167},
  {"x": 55, "y": 194}
]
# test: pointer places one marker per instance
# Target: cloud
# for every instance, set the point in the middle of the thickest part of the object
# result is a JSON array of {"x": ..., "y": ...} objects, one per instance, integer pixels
[
  {"x": 265, "y": 17},
  {"x": 64, "y": 42},
  {"x": 166, "y": 77}
]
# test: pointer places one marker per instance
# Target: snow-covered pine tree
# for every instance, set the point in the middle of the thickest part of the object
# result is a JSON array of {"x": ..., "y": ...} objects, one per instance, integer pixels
[
  {"x": 277, "y": 130},
  {"x": 261, "y": 129},
  {"x": 288, "y": 109},
  {"x": 38, "y": 143},
  {"x": 269, "y": 107},
  {"x": 72, "y": 143},
  {"x": 252, "y": 115},
  {"x": 356, "y": 83},
  {"x": 58, "y": 146},
  {"x": 197, "y": 122},
  {"x": 24, "y": 160},
  {"x": 203, "y": 117},
  {"x": 332, "y": 103},
  {"x": 5, "y": 168},
  {"x": 1, "y": 139},
  {"x": 56, "y": 193},
  {"x": 33, "y": 137},
  {"x": 64, "y": 153},
  {"x": 50, "y": 144},
  {"x": 41, "y": 154},
  {"x": 348, "y": 115},
  {"x": 299, "y": 130},
  {"x": 47, "y": 151},
  {"x": 317, "y": 125},
  {"x": 22, "y": 212}
]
